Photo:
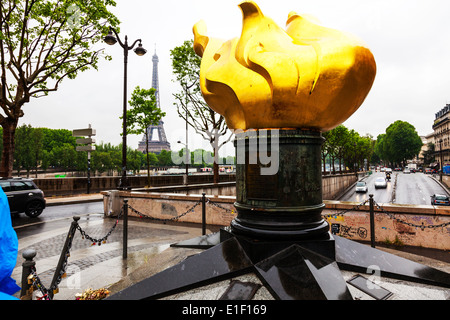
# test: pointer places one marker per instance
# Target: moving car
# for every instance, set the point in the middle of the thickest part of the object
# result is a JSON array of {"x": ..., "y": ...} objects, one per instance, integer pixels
[
  {"x": 361, "y": 186},
  {"x": 439, "y": 199},
  {"x": 380, "y": 183},
  {"x": 406, "y": 171},
  {"x": 23, "y": 196}
]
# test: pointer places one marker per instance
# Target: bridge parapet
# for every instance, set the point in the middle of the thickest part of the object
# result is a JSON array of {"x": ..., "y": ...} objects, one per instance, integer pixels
[{"x": 412, "y": 225}]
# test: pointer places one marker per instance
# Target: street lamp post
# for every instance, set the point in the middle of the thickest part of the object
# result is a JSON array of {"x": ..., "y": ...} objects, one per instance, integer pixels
[
  {"x": 441, "y": 162},
  {"x": 140, "y": 51}
]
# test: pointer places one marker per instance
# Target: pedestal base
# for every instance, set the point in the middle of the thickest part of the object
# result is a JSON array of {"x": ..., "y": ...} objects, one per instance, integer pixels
[
  {"x": 279, "y": 185},
  {"x": 279, "y": 233},
  {"x": 289, "y": 270}
]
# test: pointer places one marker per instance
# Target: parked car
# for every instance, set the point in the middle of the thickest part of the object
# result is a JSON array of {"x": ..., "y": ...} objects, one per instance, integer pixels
[
  {"x": 23, "y": 196},
  {"x": 439, "y": 199},
  {"x": 361, "y": 186},
  {"x": 380, "y": 183}
]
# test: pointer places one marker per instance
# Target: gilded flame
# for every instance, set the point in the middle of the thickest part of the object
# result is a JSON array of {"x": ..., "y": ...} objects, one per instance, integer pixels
[{"x": 306, "y": 76}]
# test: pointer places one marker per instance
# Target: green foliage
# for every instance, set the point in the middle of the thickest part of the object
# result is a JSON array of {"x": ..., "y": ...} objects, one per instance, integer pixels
[
  {"x": 428, "y": 155},
  {"x": 42, "y": 42},
  {"x": 143, "y": 111},
  {"x": 400, "y": 143},
  {"x": 347, "y": 146}
]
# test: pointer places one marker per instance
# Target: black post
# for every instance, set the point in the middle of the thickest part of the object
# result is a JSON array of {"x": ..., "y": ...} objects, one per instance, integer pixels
[
  {"x": 203, "y": 214},
  {"x": 28, "y": 255},
  {"x": 63, "y": 257},
  {"x": 89, "y": 172},
  {"x": 125, "y": 228},
  {"x": 123, "y": 181},
  {"x": 372, "y": 222}
]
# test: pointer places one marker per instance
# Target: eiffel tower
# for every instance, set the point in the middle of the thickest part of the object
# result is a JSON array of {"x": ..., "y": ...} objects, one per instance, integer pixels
[{"x": 157, "y": 140}]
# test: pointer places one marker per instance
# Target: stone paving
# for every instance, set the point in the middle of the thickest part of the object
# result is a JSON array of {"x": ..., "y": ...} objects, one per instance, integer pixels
[{"x": 86, "y": 257}]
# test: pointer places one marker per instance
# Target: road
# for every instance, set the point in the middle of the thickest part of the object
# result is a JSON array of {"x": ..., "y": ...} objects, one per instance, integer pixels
[
  {"x": 413, "y": 188},
  {"x": 51, "y": 213}
]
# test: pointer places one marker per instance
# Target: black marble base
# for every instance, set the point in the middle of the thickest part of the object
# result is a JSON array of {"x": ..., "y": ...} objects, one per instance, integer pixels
[
  {"x": 354, "y": 256},
  {"x": 306, "y": 270}
]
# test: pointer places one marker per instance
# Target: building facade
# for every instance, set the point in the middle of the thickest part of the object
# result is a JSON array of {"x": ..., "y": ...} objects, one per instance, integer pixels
[{"x": 441, "y": 135}]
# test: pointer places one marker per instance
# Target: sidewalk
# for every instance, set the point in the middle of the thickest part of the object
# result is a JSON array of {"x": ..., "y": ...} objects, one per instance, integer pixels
[
  {"x": 55, "y": 201},
  {"x": 149, "y": 252}
]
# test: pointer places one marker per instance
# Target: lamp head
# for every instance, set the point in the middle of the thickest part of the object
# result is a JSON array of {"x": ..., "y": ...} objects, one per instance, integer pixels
[
  {"x": 140, "y": 51},
  {"x": 110, "y": 38}
]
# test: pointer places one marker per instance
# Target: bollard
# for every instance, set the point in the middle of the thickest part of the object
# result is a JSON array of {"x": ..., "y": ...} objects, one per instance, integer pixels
[
  {"x": 125, "y": 228},
  {"x": 203, "y": 214},
  {"x": 27, "y": 265},
  {"x": 372, "y": 222}
]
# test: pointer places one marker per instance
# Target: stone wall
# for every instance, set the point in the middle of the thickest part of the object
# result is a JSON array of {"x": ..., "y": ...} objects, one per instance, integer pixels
[
  {"x": 347, "y": 219},
  {"x": 71, "y": 186},
  {"x": 332, "y": 185},
  {"x": 411, "y": 225}
]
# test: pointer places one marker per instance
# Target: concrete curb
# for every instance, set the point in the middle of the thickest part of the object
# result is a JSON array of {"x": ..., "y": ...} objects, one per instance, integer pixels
[{"x": 73, "y": 200}]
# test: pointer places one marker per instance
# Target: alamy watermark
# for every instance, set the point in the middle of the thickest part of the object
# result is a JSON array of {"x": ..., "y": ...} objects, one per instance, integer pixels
[
  {"x": 374, "y": 279},
  {"x": 256, "y": 143},
  {"x": 74, "y": 13}
]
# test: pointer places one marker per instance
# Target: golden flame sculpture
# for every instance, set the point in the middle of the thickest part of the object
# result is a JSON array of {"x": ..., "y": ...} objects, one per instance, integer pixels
[{"x": 307, "y": 76}]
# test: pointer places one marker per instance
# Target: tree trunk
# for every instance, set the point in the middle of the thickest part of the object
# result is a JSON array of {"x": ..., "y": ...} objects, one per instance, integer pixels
[
  {"x": 9, "y": 131},
  {"x": 216, "y": 172},
  {"x": 215, "y": 145},
  {"x": 324, "y": 157},
  {"x": 148, "y": 160}
]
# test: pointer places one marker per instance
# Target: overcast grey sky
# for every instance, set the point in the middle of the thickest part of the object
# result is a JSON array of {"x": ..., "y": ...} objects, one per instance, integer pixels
[{"x": 410, "y": 40}]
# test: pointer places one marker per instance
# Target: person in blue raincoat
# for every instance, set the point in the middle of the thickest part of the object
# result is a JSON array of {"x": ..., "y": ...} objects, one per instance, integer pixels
[{"x": 9, "y": 245}]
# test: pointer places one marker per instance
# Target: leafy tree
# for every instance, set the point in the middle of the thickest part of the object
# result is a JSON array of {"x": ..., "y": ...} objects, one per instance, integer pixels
[
  {"x": 428, "y": 155},
  {"x": 190, "y": 103},
  {"x": 365, "y": 146},
  {"x": 143, "y": 113},
  {"x": 382, "y": 150},
  {"x": 348, "y": 147},
  {"x": 401, "y": 142},
  {"x": 337, "y": 142},
  {"x": 135, "y": 160},
  {"x": 43, "y": 42},
  {"x": 326, "y": 149},
  {"x": 105, "y": 158},
  {"x": 165, "y": 158},
  {"x": 28, "y": 151}
]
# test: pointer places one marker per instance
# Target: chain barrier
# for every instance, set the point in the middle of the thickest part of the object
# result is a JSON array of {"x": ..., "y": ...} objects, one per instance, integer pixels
[
  {"x": 99, "y": 241},
  {"x": 215, "y": 204},
  {"x": 390, "y": 215},
  {"x": 36, "y": 282},
  {"x": 422, "y": 226},
  {"x": 355, "y": 208}
]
